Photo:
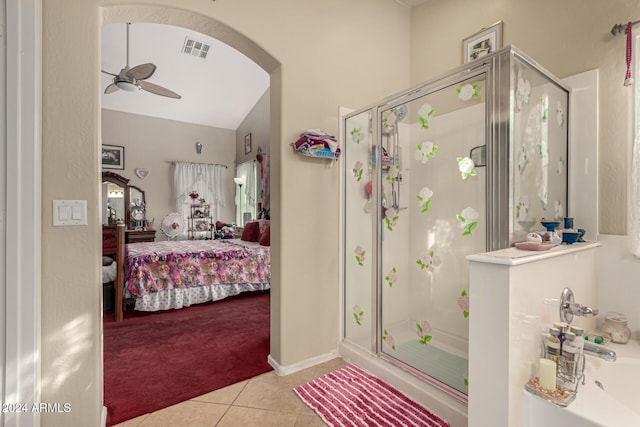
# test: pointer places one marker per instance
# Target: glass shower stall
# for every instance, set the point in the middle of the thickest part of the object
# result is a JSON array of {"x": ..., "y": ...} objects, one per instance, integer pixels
[{"x": 467, "y": 163}]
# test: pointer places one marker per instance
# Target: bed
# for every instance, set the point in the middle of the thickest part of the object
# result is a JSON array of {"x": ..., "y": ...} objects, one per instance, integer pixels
[{"x": 175, "y": 274}]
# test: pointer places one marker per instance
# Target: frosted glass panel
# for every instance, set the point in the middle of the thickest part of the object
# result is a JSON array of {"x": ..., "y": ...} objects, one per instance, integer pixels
[
  {"x": 359, "y": 254},
  {"x": 539, "y": 149},
  {"x": 435, "y": 215}
]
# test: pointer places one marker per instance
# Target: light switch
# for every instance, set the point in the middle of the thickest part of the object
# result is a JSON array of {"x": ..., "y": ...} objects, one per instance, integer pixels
[
  {"x": 76, "y": 213},
  {"x": 69, "y": 212},
  {"x": 63, "y": 213}
]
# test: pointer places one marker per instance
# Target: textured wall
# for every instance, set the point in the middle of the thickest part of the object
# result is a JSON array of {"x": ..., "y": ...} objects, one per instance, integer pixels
[
  {"x": 321, "y": 55},
  {"x": 153, "y": 144}
]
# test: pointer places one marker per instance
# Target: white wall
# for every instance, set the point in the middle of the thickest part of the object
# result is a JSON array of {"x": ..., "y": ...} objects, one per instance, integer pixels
[{"x": 618, "y": 285}]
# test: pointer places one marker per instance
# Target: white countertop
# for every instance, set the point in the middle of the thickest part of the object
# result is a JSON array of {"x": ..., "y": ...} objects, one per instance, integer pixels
[{"x": 515, "y": 256}]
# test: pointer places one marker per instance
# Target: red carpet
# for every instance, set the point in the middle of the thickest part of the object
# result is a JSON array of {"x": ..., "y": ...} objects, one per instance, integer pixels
[
  {"x": 155, "y": 360},
  {"x": 350, "y": 397}
]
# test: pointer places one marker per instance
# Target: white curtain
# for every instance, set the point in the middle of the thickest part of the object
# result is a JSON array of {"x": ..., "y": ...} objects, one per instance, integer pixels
[
  {"x": 205, "y": 179},
  {"x": 634, "y": 182}
]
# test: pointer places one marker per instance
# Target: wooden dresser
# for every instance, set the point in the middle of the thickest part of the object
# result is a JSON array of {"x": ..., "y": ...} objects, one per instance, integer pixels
[
  {"x": 137, "y": 236},
  {"x": 131, "y": 236}
]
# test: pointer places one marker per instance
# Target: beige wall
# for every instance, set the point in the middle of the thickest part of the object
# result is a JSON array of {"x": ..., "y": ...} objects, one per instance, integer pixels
[
  {"x": 363, "y": 51},
  {"x": 153, "y": 144},
  {"x": 257, "y": 123},
  {"x": 566, "y": 37}
]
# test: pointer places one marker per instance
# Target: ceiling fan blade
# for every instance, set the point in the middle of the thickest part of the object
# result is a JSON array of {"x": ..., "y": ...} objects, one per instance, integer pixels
[
  {"x": 142, "y": 71},
  {"x": 158, "y": 90},
  {"x": 111, "y": 74},
  {"x": 111, "y": 88}
]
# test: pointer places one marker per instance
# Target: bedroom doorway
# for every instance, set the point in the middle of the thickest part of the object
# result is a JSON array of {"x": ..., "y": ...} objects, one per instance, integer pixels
[{"x": 140, "y": 174}]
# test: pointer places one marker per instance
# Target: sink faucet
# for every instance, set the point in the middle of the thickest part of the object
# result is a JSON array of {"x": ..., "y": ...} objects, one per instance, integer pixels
[
  {"x": 570, "y": 308},
  {"x": 600, "y": 351}
]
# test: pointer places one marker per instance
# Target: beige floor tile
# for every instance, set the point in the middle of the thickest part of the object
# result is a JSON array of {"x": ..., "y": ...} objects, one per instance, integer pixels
[
  {"x": 187, "y": 414},
  {"x": 242, "y": 417},
  {"x": 135, "y": 422},
  {"x": 273, "y": 392},
  {"x": 309, "y": 421},
  {"x": 271, "y": 395},
  {"x": 224, "y": 396}
]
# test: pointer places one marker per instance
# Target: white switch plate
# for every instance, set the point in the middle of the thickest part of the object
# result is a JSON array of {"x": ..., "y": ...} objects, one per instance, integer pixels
[{"x": 69, "y": 212}]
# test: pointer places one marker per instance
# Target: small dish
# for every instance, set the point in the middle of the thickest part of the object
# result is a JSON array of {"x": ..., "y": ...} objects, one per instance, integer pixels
[
  {"x": 534, "y": 246},
  {"x": 570, "y": 237}
]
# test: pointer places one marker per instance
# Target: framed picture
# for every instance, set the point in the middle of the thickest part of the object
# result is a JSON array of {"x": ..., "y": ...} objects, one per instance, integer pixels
[
  {"x": 247, "y": 143},
  {"x": 112, "y": 157},
  {"x": 482, "y": 43}
]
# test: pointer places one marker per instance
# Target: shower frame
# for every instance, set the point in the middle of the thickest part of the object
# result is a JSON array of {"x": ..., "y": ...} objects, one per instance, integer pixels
[{"x": 497, "y": 69}]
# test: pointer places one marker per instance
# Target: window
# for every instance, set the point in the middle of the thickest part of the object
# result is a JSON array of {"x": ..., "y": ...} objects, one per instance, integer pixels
[{"x": 247, "y": 200}]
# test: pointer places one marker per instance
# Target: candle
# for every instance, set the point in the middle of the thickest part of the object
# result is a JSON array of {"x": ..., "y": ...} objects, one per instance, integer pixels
[{"x": 547, "y": 374}]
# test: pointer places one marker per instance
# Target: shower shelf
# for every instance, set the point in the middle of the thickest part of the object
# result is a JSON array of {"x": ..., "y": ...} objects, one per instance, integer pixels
[{"x": 322, "y": 154}]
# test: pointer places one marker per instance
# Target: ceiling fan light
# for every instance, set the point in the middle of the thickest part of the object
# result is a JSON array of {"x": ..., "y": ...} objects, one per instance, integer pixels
[{"x": 129, "y": 87}]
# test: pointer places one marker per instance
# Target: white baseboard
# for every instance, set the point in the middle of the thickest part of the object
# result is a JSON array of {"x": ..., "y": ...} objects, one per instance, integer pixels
[
  {"x": 290, "y": 369},
  {"x": 104, "y": 417}
]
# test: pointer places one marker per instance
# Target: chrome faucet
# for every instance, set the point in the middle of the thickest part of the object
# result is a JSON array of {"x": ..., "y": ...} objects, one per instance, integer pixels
[
  {"x": 570, "y": 308},
  {"x": 600, "y": 351}
]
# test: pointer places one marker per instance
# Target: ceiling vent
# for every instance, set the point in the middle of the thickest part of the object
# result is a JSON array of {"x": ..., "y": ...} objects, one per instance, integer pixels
[{"x": 195, "y": 48}]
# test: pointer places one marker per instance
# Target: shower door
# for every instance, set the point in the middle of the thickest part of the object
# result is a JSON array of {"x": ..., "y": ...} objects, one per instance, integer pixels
[{"x": 434, "y": 212}]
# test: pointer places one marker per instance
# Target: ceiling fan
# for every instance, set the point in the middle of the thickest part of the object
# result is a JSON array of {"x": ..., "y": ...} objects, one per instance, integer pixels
[{"x": 134, "y": 79}]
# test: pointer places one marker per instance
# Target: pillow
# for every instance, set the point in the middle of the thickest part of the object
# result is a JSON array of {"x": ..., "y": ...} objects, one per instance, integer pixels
[
  {"x": 263, "y": 224},
  {"x": 251, "y": 232},
  {"x": 106, "y": 261},
  {"x": 265, "y": 237}
]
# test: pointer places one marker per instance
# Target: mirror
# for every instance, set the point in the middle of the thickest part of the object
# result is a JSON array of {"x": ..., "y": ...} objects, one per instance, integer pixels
[
  {"x": 137, "y": 208},
  {"x": 115, "y": 199},
  {"x": 122, "y": 203}
]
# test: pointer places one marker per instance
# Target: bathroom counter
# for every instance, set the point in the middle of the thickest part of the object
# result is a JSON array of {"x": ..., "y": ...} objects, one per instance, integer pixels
[{"x": 515, "y": 256}]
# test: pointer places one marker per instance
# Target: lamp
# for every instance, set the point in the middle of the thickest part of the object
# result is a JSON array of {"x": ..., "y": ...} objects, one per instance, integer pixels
[
  {"x": 131, "y": 86},
  {"x": 240, "y": 180}
]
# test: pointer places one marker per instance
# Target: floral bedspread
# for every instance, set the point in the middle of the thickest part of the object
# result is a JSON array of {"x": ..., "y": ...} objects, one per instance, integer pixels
[{"x": 158, "y": 266}]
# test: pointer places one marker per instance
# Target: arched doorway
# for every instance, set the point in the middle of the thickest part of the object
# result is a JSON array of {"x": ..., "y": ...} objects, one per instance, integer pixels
[{"x": 222, "y": 32}]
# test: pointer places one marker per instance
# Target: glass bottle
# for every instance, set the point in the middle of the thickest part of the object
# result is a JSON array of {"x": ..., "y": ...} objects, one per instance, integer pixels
[
  {"x": 568, "y": 358},
  {"x": 615, "y": 324},
  {"x": 579, "y": 341},
  {"x": 552, "y": 345}
]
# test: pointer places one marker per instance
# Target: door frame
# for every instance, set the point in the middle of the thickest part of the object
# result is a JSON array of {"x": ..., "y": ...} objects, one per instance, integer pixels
[{"x": 20, "y": 207}]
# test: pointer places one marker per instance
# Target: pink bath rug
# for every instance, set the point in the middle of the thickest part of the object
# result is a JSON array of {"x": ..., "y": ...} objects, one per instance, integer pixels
[{"x": 352, "y": 397}]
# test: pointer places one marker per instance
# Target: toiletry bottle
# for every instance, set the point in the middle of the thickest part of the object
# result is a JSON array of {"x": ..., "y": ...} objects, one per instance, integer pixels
[
  {"x": 579, "y": 342},
  {"x": 552, "y": 345},
  {"x": 568, "y": 361}
]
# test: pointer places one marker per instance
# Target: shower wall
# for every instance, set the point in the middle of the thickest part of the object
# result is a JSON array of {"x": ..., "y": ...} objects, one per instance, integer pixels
[{"x": 465, "y": 164}]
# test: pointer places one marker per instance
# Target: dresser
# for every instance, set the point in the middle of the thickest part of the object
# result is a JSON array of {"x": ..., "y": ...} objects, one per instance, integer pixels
[
  {"x": 131, "y": 236},
  {"x": 137, "y": 236}
]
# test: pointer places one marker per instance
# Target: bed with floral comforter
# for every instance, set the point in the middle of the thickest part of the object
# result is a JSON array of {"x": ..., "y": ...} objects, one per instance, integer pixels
[{"x": 175, "y": 274}]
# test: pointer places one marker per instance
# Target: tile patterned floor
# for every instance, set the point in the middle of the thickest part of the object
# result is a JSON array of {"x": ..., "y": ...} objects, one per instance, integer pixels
[{"x": 266, "y": 400}]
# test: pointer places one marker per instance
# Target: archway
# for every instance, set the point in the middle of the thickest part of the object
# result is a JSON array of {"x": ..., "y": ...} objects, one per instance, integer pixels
[{"x": 215, "y": 29}]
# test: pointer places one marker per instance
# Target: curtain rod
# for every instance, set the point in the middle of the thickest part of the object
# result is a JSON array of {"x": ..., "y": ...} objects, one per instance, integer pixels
[
  {"x": 196, "y": 163},
  {"x": 621, "y": 28}
]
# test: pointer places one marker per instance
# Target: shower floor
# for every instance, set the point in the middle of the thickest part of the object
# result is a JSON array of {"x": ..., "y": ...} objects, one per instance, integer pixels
[{"x": 439, "y": 364}]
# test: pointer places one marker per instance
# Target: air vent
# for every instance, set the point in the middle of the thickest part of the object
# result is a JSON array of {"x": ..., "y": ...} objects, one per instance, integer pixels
[{"x": 195, "y": 48}]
